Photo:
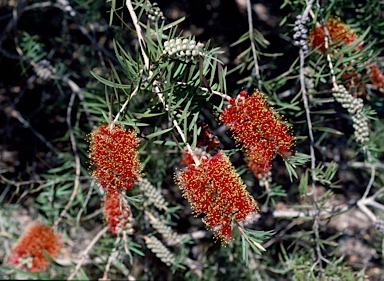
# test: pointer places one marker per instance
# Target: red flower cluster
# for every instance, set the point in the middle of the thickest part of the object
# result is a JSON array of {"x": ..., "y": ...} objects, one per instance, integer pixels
[
  {"x": 206, "y": 138},
  {"x": 353, "y": 79},
  {"x": 213, "y": 188},
  {"x": 113, "y": 155},
  {"x": 338, "y": 31},
  {"x": 258, "y": 129},
  {"x": 341, "y": 32},
  {"x": 117, "y": 212},
  {"x": 376, "y": 76},
  {"x": 28, "y": 250}
]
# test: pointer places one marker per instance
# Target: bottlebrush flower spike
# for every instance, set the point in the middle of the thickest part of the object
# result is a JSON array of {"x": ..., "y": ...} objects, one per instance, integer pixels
[
  {"x": 213, "y": 188},
  {"x": 206, "y": 138},
  {"x": 258, "y": 130},
  {"x": 28, "y": 250},
  {"x": 114, "y": 157},
  {"x": 376, "y": 76},
  {"x": 338, "y": 31},
  {"x": 117, "y": 212}
]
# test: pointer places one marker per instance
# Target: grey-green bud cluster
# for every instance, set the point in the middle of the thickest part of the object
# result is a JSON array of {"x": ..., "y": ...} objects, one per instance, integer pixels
[
  {"x": 355, "y": 109},
  {"x": 186, "y": 49},
  {"x": 153, "y": 195},
  {"x": 154, "y": 13},
  {"x": 160, "y": 250},
  {"x": 265, "y": 178},
  {"x": 309, "y": 80},
  {"x": 360, "y": 124},
  {"x": 44, "y": 69},
  {"x": 170, "y": 236},
  {"x": 301, "y": 33}
]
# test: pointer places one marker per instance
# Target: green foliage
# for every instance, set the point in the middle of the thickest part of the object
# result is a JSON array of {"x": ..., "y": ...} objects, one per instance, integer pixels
[
  {"x": 101, "y": 67},
  {"x": 253, "y": 239}
]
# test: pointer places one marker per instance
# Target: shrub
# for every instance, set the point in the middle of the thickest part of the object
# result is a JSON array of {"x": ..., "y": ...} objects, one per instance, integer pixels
[{"x": 155, "y": 151}]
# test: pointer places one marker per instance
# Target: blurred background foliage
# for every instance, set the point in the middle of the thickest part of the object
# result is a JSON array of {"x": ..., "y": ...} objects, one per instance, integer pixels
[{"x": 38, "y": 161}]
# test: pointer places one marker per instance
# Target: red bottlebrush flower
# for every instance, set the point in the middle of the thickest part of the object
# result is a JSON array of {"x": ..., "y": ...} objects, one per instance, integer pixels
[
  {"x": 213, "y": 188},
  {"x": 113, "y": 155},
  {"x": 338, "y": 31},
  {"x": 259, "y": 131},
  {"x": 206, "y": 138},
  {"x": 376, "y": 76},
  {"x": 117, "y": 212},
  {"x": 28, "y": 250},
  {"x": 353, "y": 79}
]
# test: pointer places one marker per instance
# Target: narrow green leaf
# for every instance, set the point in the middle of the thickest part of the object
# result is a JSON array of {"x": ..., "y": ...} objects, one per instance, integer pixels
[
  {"x": 134, "y": 123},
  {"x": 165, "y": 143},
  {"x": 244, "y": 247},
  {"x": 304, "y": 183},
  {"x": 196, "y": 132},
  {"x": 106, "y": 117},
  {"x": 52, "y": 261},
  {"x": 290, "y": 169},
  {"x": 328, "y": 130},
  {"x": 147, "y": 115},
  {"x": 194, "y": 120},
  {"x": 158, "y": 133},
  {"x": 243, "y": 38},
  {"x": 109, "y": 83},
  {"x": 137, "y": 251}
]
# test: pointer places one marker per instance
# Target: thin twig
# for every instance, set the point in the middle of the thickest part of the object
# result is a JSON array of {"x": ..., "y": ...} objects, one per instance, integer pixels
[
  {"x": 178, "y": 129},
  {"x": 111, "y": 257},
  {"x": 21, "y": 183},
  {"x": 315, "y": 207},
  {"x": 76, "y": 89},
  {"x": 309, "y": 122},
  {"x": 87, "y": 250},
  {"x": 372, "y": 178},
  {"x": 327, "y": 41},
  {"x": 300, "y": 214},
  {"x": 224, "y": 96},
  {"x": 16, "y": 114},
  {"x": 124, "y": 106},
  {"x": 87, "y": 198},
  {"x": 77, "y": 162},
  {"x": 155, "y": 86},
  {"x": 251, "y": 38},
  {"x": 362, "y": 205},
  {"x": 75, "y": 17},
  {"x": 377, "y": 193},
  {"x": 371, "y": 201},
  {"x": 139, "y": 33},
  {"x": 144, "y": 55},
  {"x": 356, "y": 164}
]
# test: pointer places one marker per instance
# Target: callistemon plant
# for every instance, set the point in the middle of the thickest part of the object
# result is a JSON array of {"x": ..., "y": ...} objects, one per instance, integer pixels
[
  {"x": 258, "y": 130},
  {"x": 117, "y": 212},
  {"x": 28, "y": 252},
  {"x": 338, "y": 32},
  {"x": 376, "y": 76},
  {"x": 344, "y": 35},
  {"x": 113, "y": 155},
  {"x": 213, "y": 188}
]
